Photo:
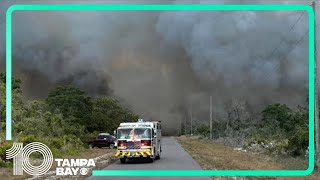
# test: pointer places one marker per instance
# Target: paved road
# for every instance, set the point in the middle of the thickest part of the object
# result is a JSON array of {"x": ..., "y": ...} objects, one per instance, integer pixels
[{"x": 173, "y": 157}]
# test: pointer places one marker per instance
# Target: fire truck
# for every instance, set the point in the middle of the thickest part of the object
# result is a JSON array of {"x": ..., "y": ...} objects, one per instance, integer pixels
[{"x": 140, "y": 139}]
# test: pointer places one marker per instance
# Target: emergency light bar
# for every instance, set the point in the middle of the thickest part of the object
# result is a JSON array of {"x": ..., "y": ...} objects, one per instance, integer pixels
[{"x": 142, "y": 124}]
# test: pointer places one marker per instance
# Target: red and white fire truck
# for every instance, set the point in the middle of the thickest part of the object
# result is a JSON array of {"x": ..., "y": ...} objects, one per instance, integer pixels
[{"x": 141, "y": 139}]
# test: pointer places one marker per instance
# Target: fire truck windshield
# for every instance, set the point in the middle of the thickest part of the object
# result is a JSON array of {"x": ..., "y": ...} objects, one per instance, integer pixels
[{"x": 136, "y": 133}]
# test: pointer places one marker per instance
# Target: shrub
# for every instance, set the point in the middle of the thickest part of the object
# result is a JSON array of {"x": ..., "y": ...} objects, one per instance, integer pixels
[
  {"x": 298, "y": 143},
  {"x": 29, "y": 139},
  {"x": 3, "y": 147},
  {"x": 257, "y": 140},
  {"x": 57, "y": 143},
  {"x": 64, "y": 145},
  {"x": 282, "y": 147},
  {"x": 203, "y": 130}
]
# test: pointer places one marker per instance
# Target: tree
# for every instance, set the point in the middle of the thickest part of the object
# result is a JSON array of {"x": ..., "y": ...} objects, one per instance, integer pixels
[
  {"x": 18, "y": 109},
  {"x": 74, "y": 104},
  {"x": 108, "y": 113},
  {"x": 2, "y": 105},
  {"x": 37, "y": 108},
  {"x": 277, "y": 118},
  {"x": 16, "y": 83},
  {"x": 238, "y": 117},
  {"x": 203, "y": 130},
  {"x": 299, "y": 134}
]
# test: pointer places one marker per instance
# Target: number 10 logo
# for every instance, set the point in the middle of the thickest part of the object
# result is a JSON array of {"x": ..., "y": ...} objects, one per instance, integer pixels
[{"x": 20, "y": 156}]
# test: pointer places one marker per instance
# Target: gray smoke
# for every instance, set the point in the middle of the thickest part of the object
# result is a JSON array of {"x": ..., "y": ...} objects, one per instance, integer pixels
[
  {"x": 232, "y": 50},
  {"x": 160, "y": 62}
]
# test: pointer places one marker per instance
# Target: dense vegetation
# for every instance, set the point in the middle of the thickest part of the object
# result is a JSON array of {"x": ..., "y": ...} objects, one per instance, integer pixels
[
  {"x": 64, "y": 121},
  {"x": 280, "y": 130}
]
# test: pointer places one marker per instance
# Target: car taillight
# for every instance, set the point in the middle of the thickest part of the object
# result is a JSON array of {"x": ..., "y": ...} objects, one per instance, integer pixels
[
  {"x": 122, "y": 143},
  {"x": 145, "y": 142}
]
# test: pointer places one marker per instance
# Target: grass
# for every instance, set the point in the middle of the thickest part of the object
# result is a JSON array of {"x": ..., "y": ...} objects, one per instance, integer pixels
[
  {"x": 212, "y": 156},
  {"x": 292, "y": 163}
]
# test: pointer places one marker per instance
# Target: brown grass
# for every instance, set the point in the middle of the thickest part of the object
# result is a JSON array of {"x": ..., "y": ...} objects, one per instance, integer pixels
[
  {"x": 214, "y": 156},
  {"x": 91, "y": 153}
]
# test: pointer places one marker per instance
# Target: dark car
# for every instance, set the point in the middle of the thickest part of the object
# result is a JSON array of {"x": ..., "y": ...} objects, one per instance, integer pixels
[{"x": 103, "y": 140}]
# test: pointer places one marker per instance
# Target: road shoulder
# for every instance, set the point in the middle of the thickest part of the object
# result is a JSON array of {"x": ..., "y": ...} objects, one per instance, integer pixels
[{"x": 212, "y": 156}]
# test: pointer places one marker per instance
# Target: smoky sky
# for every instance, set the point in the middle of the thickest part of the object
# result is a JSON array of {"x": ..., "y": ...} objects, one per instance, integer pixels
[{"x": 158, "y": 63}]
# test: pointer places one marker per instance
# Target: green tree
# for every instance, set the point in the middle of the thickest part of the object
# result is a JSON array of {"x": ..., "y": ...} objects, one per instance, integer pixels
[
  {"x": 292, "y": 125},
  {"x": 74, "y": 104},
  {"x": 16, "y": 83},
  {"x": 37, "y": 108},
  {"x": 203, "y": 130},
  {"x": 299, "y": 134},
  {"x": 277, "y": 119},
  {"x": 2, "y": 105},
  {"x": 108, "y": 113},
  {"x": 18, "y": 109},
  {"x": 40, "y": 123}
]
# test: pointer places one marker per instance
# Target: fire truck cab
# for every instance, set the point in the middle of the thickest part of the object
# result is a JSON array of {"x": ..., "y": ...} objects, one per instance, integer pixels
[{"x": 139, "y": 140}]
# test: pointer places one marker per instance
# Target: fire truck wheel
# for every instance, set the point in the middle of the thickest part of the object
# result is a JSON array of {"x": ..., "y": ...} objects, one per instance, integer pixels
[
  {"x": 158, "y": 156},
  {"x": 151, "y": 160},
  {"x": 122, "y": 160}
]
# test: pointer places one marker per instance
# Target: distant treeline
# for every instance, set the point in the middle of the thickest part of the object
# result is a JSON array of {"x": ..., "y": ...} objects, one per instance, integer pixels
[{"x": 284, "y": 128}]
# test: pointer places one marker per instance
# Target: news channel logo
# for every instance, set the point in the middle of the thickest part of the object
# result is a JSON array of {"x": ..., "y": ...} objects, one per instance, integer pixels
[
  {"x": 21, "y": 161},
  {"x": 21, "y": 158}
]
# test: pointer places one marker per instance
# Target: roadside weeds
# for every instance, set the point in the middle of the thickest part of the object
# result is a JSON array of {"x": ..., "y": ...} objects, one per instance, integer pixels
[{"x": 212, "y": 156}]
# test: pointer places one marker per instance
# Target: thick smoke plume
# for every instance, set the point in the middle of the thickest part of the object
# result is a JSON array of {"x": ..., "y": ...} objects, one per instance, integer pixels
[{"x": 160, "y": 62}]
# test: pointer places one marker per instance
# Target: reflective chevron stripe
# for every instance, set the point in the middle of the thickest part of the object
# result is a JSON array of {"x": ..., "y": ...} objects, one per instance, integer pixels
[
  {"x": 132, "y": 154},
  {"x": 148, "y": 153}
]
